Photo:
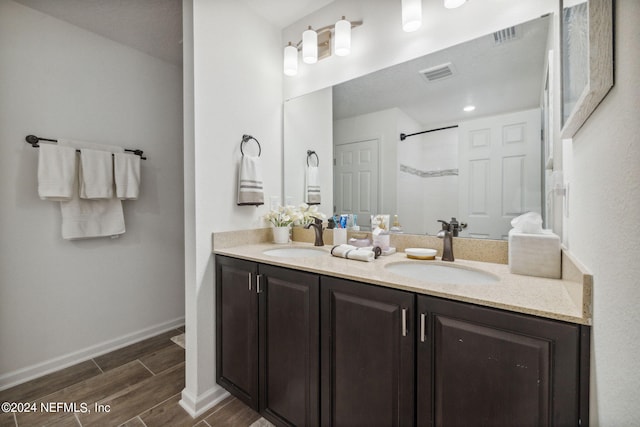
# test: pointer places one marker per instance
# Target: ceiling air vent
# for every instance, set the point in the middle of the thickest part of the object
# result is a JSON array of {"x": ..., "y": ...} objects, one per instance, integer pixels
[
  {"x": 505, "y": 35},
  {"x": 438, "y": 72}
]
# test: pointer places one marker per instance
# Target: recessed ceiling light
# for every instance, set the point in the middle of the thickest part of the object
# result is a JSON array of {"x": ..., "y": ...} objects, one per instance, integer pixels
[{"x": 469, "y": 108}]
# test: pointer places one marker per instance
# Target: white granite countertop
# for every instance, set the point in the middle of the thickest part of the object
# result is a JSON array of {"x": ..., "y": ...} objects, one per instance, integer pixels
[{"x": 564, "y": 300}]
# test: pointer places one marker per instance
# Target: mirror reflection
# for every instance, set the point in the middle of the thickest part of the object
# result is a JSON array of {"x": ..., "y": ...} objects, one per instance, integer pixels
[{"x": 472, "y": 116}]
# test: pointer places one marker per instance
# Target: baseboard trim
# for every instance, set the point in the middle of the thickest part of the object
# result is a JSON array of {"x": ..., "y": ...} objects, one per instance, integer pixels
[
  {"x": 28, "y": 373},
  {"x": 198, "y": 405}
]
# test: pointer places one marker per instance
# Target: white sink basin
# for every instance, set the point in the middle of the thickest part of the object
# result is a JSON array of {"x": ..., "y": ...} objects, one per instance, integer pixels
[
  {"x": 440, "y": 273},
  {"x": 294, "y": 252}
]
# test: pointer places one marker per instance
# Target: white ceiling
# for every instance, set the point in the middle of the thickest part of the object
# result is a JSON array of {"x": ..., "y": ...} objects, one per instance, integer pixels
[
  {"x": 155, "y": 26},
  {"x": 494, "y": 78}
]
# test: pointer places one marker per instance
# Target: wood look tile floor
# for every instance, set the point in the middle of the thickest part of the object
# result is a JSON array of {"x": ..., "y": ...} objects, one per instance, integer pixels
[{"x": 140, "y": 384}]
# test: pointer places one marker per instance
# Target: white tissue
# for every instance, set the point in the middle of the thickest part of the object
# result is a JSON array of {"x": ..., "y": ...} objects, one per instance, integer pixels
[{"x": 529, "y": 223}]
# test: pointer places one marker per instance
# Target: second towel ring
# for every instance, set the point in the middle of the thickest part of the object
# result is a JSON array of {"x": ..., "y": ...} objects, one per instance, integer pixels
[
  {"x": 247, "y": 138},
  {"x": 313, "y": 153}
]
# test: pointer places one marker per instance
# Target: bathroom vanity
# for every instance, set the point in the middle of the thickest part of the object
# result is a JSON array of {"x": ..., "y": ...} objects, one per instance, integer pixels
[{"x": 326, "y": 341}]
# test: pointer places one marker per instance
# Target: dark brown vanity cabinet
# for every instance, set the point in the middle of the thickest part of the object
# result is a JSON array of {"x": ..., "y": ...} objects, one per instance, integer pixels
[
  {"x": 267, "y": 339},
  {"x": 367, "y": 361},
  {"x": 481, "y": 366},
  {"x": 309, "y": 350}
]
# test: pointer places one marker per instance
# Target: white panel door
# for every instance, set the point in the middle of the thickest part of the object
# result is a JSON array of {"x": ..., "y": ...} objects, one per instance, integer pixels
[
  {"x": 499, "y": 172},
  {"x": 355, "y": 188}
]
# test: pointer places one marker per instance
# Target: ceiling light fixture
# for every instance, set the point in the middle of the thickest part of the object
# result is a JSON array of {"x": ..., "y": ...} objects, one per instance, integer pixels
[
  {"x": 316, "y": 45},
  {"x": 452, "y": 4},
  {"x": 411, "y": 15},
  {"x": 469, "y": 108}
]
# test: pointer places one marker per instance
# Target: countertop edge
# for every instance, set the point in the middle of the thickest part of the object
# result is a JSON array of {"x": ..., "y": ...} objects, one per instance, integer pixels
[{"x": 559, "y": 304}]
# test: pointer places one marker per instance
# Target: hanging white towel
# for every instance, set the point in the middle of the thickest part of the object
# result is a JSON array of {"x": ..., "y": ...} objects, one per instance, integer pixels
[
  {"x": 56, "y": 172},
  {"x": 250, "y": 191},
  {"x": 95, "y": 174},
  {"x": 126, "y": 172},
  {"x": 312, "y": 192},
  {"x": 84, "y": 218}
]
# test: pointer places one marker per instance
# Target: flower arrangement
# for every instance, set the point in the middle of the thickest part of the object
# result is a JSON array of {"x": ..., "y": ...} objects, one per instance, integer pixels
[
  {"x": 309, "y": 213},
  {"x": 284, "y": 216}
]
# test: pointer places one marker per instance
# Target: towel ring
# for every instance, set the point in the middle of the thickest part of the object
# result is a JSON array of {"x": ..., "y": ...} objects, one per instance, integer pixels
[
  {"x": 246, "y": 138},
  {"x": 313, "y": 153}
]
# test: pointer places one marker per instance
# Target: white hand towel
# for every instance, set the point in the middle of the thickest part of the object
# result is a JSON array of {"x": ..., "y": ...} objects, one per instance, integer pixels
[
  {"x": 126, "y": 172},
  {"x": 95, "y": 174},
  {"x": 250, "y": 190},
  {"x": 353, "y": 252},
  {"x": 313, "y": 186},
  {"x": 56, "y": 172}
]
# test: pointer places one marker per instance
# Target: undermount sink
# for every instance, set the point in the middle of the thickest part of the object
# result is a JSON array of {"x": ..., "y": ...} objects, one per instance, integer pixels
[
  {"x": 440, "y": 273},
  {"x": 292, "y": 252}
]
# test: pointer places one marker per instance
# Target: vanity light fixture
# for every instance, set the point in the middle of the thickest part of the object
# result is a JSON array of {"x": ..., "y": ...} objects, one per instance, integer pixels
[
  {"x": 411, "y": 15},
  {"x": 290, "y": 60},
  {"x": 310, "y": 46},
  {"x": 342, "y": 43},
  {"x": 316, "y": 45},
  {"x": 452, "y": 4}
]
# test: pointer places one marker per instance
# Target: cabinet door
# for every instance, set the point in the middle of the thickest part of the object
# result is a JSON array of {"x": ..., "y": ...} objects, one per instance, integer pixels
[
  {"x": 367, "y": 359},
  {"x": 289, "y": 346},
  {"x": 237, "y": 328},
  {"x": 482, "y": 366}
]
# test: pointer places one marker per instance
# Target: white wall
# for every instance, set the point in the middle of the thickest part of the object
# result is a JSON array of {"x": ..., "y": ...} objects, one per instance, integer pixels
[
  {"x": 62, "y": 301},
  {"x": 604, "y": 208},
  {"x": 237, "y": 89}
]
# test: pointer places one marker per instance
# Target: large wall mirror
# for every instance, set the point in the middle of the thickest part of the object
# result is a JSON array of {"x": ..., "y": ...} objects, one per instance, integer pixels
[{"x": 483, "y": 166}]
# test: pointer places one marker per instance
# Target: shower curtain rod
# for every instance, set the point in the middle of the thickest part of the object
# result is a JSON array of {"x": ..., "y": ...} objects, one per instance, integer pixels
[
  {"x": 404, "y": 136},
  {"x": 34, "y": 140}
]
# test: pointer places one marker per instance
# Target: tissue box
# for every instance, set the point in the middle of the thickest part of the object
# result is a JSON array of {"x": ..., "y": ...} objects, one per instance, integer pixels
[{"x": 535, "y": 254}]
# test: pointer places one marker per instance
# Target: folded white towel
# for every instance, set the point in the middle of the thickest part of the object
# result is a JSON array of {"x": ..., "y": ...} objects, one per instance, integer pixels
[
  {"x": 353, "y": 252},
  {"x": 56, "y": 172},
  {"x": 95, "y": 174},
  {"x": 250, "y": 190},
  {"x": 313, "y": 186},
  {"x": 126, "y": 172}
]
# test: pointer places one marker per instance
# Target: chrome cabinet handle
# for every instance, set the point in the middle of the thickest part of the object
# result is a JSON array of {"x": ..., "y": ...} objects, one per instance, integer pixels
[
  {"x": 259, "y": 284},
  {"x": 423, "y": 327},
  {"x": 404, "y": 322},
  {"x": 250, "y": 277}
]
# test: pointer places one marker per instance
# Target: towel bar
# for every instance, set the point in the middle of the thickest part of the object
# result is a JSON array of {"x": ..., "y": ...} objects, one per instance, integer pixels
[{"x": 34, "y": 140}]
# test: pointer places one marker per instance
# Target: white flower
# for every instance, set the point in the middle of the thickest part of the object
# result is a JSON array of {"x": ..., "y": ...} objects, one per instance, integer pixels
[{"x": 283, "y": 216}]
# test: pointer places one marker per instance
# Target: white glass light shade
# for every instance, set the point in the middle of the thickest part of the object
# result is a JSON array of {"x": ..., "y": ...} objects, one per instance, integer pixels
[
  {"x": 452, "y": 4},
  {"x": 342, "y": 43},
  {"x": 310, "y": 46},
  {"x": 290, "y": 60},
  {"x": 411, "y": 15}
]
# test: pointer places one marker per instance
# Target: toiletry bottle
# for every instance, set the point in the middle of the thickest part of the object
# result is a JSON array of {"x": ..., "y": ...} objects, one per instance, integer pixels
[{"x": 396, "y": 227}]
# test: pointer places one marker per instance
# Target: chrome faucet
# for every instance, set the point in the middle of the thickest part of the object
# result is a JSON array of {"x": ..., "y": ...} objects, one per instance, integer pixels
[{"x": 317, "y": 227}]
